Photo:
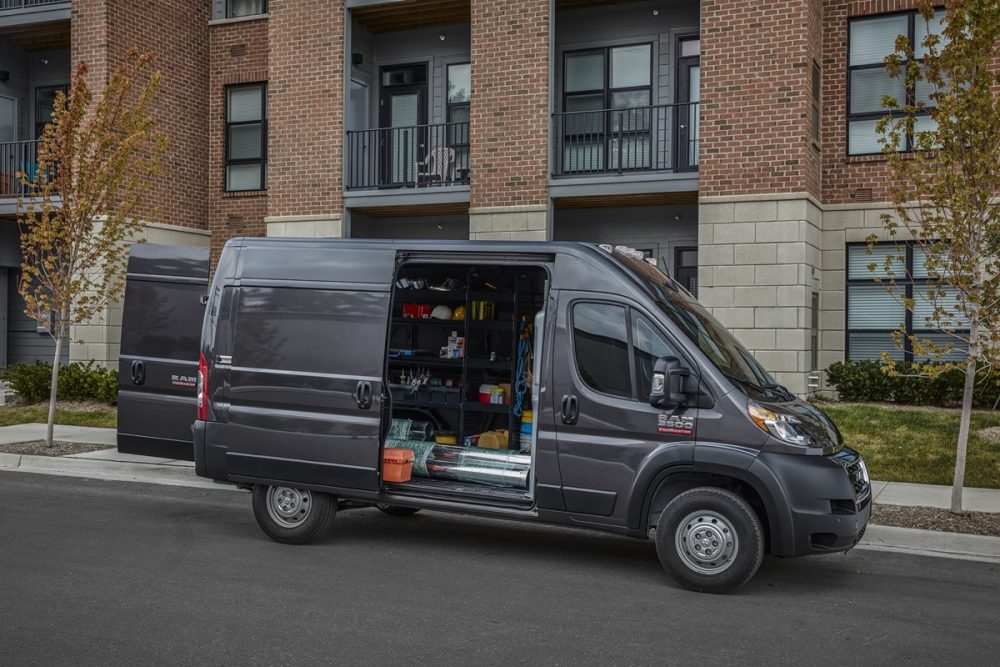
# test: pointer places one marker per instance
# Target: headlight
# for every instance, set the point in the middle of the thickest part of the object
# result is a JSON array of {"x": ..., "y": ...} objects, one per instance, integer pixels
[{"x": 781, "y": 425}]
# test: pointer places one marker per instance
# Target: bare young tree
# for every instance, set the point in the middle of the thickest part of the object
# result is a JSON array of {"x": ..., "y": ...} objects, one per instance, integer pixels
[
  {"x": 944, "y": 194},
  {"x": 95, "y": 161}
]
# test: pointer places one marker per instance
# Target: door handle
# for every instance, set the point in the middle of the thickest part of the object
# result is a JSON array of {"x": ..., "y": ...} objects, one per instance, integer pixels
[
  {"x": 570, "y": 410},
  {"x": 138, "y": 372},
  {"x": 363, "y": 395}
]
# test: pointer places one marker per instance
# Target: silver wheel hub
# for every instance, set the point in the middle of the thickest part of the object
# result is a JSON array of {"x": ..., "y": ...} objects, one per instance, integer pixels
[
  {"x": 706, "y": 542},
  {"x": 288, "y": 507}
]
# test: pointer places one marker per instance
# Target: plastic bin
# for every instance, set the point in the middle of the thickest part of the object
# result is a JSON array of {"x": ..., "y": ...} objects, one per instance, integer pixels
[{"x": 397, "y": 465}]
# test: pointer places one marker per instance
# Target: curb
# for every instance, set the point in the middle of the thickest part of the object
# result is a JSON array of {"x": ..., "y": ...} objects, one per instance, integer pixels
[
  {"x": 9, "y": 460},
  {"x": 931, "y": 543},
  {"x": 146, "y": 473}
]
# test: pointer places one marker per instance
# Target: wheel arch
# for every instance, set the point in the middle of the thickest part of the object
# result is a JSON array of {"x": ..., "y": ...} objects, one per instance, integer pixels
[{"x": 722, "y": 467}]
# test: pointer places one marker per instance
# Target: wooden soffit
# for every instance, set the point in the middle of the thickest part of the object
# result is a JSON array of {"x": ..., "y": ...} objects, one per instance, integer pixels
[
  {"x": 414, "y": 210},
  {"x": 647, "y": 199},
  {"x": 577, "y": 4},
  {"x": 50, "y": 36},
  {"x": 411, "y": 14}
]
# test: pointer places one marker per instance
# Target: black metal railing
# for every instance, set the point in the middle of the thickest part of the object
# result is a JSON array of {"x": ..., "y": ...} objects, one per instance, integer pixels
[
  {"x": 17, "y": 156},
  {"x": 660, "y": 138},
  {"x": 406, "y": 157},
  {"x": 27, "y": 4}
]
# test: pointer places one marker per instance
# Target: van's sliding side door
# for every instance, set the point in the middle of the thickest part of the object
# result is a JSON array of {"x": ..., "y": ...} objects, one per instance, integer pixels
[{"x": 305, "y": 396}]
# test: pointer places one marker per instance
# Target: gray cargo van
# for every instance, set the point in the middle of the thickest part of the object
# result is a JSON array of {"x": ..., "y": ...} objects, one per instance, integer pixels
[{"x": 557, "y": 382}]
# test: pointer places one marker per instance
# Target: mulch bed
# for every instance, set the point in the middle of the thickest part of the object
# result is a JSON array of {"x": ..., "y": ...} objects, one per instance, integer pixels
[
  {"x": 39, "y": 448},
  {"x": 932, "y": 518}
]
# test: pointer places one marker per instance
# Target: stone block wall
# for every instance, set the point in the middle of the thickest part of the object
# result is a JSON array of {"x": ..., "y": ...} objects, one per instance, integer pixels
[
  {"x": 509, "y": 223},
  {"x": 760, "y": 260}
]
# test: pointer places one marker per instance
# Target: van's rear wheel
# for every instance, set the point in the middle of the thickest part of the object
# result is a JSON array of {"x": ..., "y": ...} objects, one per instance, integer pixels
[
  {"x": 292, "y": 516},
  {"x": 709, "y": 540},
  {"x": 397, "y": 510}
]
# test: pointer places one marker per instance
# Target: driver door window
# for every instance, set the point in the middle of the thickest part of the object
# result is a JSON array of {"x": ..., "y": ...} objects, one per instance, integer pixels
[{"x": 605, "y": 337}]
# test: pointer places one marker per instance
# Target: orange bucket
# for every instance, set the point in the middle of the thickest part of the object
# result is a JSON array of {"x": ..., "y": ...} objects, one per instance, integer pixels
[{"x": 397, "y": 464}]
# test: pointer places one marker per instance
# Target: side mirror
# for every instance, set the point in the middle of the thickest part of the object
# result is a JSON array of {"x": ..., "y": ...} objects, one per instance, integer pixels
[{"x": 668, "y": 383}]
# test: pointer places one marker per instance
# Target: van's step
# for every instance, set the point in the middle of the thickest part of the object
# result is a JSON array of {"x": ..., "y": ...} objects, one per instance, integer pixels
[{"x": 448, "y": 489}]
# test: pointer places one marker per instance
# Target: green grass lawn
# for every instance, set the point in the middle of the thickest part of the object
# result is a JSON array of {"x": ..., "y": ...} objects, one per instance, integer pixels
[
  {"x": 27, "y": 414},
  {"x": 909, "y": 444}
]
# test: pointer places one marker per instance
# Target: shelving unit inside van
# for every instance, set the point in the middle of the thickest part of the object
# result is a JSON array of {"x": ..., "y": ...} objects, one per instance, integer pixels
[{"x": 446, "y": 390}]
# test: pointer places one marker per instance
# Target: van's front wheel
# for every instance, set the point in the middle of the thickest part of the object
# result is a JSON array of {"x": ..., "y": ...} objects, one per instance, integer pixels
[
  {"x": 709, "y": 540},
  {"x": 292, "y": 516}
]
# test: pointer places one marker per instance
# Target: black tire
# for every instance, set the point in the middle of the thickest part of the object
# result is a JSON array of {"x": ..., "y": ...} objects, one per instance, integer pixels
[
  {"x": 293, "y": 516},
  {"x": 693, "y": 540},
  {"x": 397, "y": 510}
]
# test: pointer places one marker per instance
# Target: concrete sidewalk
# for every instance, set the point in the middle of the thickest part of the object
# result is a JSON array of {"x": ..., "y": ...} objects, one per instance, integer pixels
[
  {"x": 83, "y": 434},
  {"x": 927, "y": 495}
]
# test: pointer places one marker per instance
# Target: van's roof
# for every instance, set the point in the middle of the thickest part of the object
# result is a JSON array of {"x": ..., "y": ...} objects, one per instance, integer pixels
[
  {"x": 428, "y": 244},
  {"x": 579, "y": 274}
]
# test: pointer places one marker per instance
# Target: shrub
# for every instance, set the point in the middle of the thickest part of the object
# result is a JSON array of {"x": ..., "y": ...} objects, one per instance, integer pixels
[
  {"x": 867, "y": 381},
  {"x": 77, "y": 382},
  {"x": 32, "y": 382}
]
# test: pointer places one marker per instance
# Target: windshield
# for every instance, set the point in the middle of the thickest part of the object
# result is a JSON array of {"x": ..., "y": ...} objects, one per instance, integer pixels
[{"x": 720, "y": 346}]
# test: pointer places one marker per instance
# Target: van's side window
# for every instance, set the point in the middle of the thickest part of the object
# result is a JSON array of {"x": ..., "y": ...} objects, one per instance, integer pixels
[
  {"x": 648, "y": 346},
  {"x": 600, "y": 339}
]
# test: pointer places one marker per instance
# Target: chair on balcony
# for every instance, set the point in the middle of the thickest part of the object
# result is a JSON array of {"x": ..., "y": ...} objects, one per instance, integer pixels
[{"x": 437, "y": 166}]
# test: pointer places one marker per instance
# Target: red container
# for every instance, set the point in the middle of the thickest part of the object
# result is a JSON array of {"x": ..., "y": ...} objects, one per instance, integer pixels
[
  {"x": 411, "y": 310},
  {"x": 424, "y": 311},
  {"x": 397, "y": 465}
]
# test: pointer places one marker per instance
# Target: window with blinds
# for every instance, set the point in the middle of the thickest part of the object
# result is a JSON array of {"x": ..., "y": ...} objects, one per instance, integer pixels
[
  {"x": 870, "y": 40},
  {"x": 873, "y": 313},
  {"x": 238, "y": 8},
  {"x": 246, "y": 137}
]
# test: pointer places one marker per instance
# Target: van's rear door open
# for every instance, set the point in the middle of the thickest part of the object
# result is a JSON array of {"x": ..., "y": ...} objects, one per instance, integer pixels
[{"x": 158, "y": 364}]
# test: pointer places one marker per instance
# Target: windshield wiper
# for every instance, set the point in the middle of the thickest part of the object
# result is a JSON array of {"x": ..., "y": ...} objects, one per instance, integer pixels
[
  {"x": 773, "y": 390},
  {"x": 781, "y": 389}
]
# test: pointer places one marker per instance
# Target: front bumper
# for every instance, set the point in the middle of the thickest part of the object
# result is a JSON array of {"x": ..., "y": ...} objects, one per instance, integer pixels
[{"x": 827, "y": 502}]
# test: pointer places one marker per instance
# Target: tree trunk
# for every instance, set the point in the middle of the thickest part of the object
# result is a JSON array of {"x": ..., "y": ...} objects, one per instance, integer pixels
[
  {"x": 963, "y": 428},
  {"x": 53, "y": 393}
]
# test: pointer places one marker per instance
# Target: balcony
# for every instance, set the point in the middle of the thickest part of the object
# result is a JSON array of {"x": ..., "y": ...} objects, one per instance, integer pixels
[
  {"x": 28, "y": 4},
  {"x": 23, "y": 13},
  {"x": 653, "y": 139},
  {"x": 16, "y": 156},
  {"x": 415, "y": 156}
]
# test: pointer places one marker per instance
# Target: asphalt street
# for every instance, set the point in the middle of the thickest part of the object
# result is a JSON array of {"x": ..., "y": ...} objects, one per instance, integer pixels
[{"x": 113, "y": 573}]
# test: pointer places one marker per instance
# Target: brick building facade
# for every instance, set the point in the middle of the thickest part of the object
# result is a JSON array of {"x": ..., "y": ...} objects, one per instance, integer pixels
[{"x": 713, "y": 136}]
